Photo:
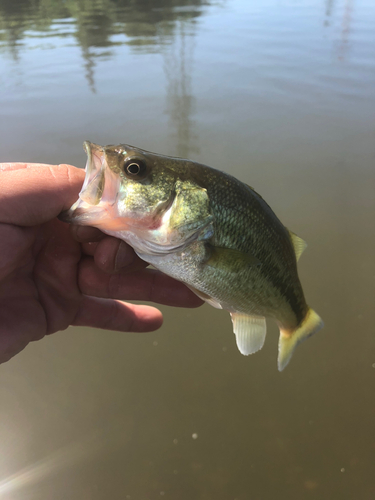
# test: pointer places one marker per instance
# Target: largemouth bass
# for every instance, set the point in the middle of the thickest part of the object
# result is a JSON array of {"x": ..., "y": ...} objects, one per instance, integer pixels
[{"x": 206, "y": 229}]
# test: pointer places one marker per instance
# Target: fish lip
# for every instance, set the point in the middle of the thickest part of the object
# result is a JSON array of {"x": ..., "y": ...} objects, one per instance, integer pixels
[
  {"x": 66, "y": 216},
  {"x": 78, "y": 215}
]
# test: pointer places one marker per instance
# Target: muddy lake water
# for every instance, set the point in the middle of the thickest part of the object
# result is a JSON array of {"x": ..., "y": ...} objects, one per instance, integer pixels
[{"x": 280, "y": 94}]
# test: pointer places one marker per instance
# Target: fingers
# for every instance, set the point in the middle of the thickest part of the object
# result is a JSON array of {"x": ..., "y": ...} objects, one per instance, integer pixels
[
  {"x": 89, "y": 248},
  {"x": 32, "y": 194},
  {"x": 85, "y": 234},
  {"x": 115, "y": 315},
  {"x": 110, "y": 254},
  {"x": 147, "y": 284},
  {"x": 113, "y": 255},
  {"x": 19, "y": 315}
]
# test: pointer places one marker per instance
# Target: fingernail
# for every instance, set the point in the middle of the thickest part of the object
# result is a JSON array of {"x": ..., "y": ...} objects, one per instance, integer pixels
[{"x": 124, "y": 256}]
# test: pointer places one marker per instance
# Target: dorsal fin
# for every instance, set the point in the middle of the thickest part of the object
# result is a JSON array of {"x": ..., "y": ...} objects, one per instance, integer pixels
[{"x": 299, "y": 244}]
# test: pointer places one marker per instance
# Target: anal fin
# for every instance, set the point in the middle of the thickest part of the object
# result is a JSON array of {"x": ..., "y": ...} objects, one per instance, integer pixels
[{"x": 250, "y": 332}]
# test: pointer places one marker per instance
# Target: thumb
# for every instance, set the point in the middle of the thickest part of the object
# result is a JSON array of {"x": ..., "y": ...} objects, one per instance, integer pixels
[{"x": 32, "y": 194}]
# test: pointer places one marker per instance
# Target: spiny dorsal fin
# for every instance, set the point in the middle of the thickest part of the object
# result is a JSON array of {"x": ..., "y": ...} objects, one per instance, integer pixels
[
  {"x": 250, "y": 332},
  {"x": 299, "y": 244}
]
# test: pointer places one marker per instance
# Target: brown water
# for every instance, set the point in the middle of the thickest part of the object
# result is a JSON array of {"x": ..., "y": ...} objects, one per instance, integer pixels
[{"x": 282, "y": 95}]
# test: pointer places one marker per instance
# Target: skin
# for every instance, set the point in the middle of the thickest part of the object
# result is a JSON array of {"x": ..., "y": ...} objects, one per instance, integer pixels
[{"x": 53, "y": 275}]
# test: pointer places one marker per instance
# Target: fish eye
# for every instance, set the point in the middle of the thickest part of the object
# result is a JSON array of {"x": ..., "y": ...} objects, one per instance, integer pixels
[{"x": 134, "y": 167}]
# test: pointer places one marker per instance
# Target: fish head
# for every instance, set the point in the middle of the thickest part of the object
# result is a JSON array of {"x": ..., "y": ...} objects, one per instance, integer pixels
[
  {"x": 132, "y": 193},
  {"x": 123, "y": 187}
]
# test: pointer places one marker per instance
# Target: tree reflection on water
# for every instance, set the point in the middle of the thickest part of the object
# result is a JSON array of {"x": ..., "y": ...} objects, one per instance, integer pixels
[
  {"x": 97, "y": 22},
  {"x": 166, "y": 27}
]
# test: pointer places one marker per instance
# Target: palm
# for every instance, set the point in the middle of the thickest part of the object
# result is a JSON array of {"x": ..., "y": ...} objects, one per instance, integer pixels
[{"x": 38, "y": 289}]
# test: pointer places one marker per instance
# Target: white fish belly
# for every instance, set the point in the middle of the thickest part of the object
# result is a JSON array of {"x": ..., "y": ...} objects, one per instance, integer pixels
[{"x": 247, "y": 291}]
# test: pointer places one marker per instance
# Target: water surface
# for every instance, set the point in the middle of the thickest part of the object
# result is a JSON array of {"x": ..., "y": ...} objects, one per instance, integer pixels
[{"x": 280, "y": 94}]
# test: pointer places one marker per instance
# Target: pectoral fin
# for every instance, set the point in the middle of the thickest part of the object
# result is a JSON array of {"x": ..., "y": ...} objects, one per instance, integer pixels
[
  {"x": 230, "y": 259},
  {"x": 206, "y": 298},
  {"x": 250, "y": 332}
]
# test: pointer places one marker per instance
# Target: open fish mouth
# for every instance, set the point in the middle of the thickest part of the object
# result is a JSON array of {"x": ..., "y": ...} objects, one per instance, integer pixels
[
  {"x": 98, "y": 196},
  {"x": 94, "y": 183}
]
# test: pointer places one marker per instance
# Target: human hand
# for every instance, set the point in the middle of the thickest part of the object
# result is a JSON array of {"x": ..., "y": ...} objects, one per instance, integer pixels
[{"x": 53, "y": 275}]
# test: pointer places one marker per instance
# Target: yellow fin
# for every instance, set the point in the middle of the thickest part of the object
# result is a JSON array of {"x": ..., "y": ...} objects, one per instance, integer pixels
[
  {"x": 299, "y": 244},
  {"x": 230, "y": 259},
  {"x": 289, "y": 340}
]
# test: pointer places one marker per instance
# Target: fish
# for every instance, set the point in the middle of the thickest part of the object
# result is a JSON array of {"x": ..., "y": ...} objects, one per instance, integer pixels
[{"x": 206, "y": 229}]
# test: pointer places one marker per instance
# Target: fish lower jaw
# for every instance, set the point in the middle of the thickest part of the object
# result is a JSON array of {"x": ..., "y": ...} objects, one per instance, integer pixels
[{"x": 100, "y": 216}]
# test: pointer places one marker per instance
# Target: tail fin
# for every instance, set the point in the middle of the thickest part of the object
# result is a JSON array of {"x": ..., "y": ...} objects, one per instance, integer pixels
[{"x": 289, "y": 340}]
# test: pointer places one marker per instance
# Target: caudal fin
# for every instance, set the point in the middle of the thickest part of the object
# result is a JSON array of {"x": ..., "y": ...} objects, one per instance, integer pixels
[{"x": 288, "y": 341}]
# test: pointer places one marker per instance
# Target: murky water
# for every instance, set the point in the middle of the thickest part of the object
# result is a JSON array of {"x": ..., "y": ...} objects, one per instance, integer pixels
[{"x": 282, "y": 95}]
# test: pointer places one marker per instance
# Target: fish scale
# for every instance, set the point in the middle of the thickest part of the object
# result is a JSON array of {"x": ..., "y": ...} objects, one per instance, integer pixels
[{"x": 206, "y": 229}]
